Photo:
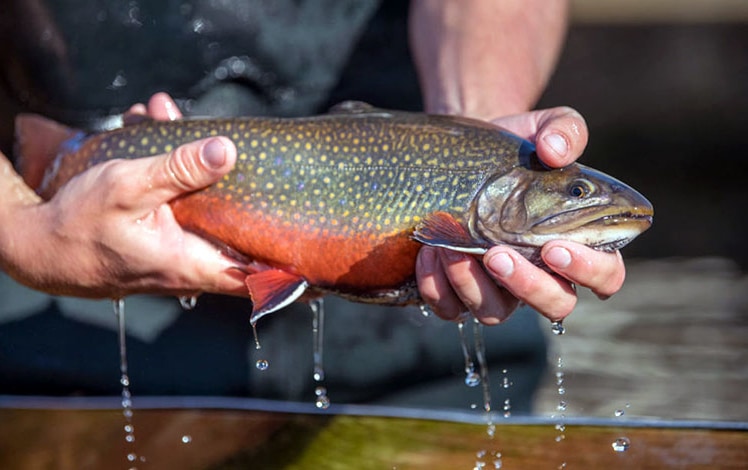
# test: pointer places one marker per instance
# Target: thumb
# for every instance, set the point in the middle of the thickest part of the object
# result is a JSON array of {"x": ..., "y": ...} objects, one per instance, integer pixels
[{"x": 189, "y": 167}]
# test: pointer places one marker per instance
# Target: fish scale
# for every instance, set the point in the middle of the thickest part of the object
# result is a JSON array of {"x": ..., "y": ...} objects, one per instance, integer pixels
[{"x": 342, "y": 202}]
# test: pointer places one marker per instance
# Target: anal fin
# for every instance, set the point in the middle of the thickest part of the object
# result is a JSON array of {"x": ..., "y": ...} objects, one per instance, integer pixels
[
  {"x": 440, "y": 229},
  {"x": 273, "y": 289}
]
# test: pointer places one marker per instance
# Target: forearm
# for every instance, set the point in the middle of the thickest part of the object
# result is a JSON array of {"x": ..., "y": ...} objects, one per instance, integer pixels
[{"x": 485, "y": 58}]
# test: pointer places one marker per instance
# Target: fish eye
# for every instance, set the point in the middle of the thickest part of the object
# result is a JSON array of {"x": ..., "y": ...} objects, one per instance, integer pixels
[{"x": 580, "y": 189}]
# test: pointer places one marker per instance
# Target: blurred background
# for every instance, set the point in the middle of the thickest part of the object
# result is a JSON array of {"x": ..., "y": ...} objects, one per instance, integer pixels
[{"x": 664, "y": 88}]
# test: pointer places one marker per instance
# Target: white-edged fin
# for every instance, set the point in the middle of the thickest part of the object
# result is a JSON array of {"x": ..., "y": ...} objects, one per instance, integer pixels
[
  {"x": 442, "y": 230},
  {"x": 273, "y": 289}
]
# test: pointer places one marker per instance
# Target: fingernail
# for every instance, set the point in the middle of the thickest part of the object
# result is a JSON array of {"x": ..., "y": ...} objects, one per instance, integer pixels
[
  {"x": 502, "y": 264},
  {"x": 558, "y": 257},
  {"x": 171, "y": 111},
  {"x": 557, "y": 143},
  {"x": 427, "y": 260},
  {"x": 214, "y": 153}
]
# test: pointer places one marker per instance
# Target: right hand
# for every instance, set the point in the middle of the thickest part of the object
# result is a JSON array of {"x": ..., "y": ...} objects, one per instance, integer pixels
[{"x": 110, "y": 231}]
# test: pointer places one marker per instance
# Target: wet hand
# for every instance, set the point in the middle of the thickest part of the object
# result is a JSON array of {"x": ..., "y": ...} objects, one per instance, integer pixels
[
  {"x": 110, "y": 231},
  {"x": 453, "y": 283}
]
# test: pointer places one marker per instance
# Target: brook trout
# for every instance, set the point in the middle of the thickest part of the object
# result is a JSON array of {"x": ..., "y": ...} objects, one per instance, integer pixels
[{"x": 341, "y": 203}]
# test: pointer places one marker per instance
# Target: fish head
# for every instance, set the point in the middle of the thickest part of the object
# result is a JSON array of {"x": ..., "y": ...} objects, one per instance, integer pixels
[{"x": 533, "y": 204}]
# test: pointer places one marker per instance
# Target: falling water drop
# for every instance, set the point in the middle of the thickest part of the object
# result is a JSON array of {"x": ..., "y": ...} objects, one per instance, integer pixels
[
  {"x": 322, "y": 401},
  {"x": 621, "y": 444},
  {"x": 557, "y": 327},
  {"x": 472, "y": 379},
  {"x": 507, "y": 408},
  {"x": 618, "y": 413},
  {"x": 254, "y": 333},
  {"x": 562, "y": 405},
  {"x": 188, "y": 302},
  {"x": 262, "y": 364},
  {"x": 318, "y": 329},
  {"x": 480, "y": 355},
  {"x": 119, "y": 312},
  {"x": 426, "y": 311},
  {"x": 186, "y": 439}
]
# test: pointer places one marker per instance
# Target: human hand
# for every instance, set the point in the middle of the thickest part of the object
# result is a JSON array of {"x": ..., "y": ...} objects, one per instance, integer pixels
[
  {"x": 110, "y": 231},
  {"x": 452, "y": 283}
]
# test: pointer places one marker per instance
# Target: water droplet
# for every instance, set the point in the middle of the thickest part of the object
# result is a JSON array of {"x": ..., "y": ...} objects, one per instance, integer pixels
[
  {"x": 130, "y": 438},
  {"x": 318, "y": 328},
  {"x": 562, "y": 466},
  {"x": 320, "y": 391},
  {"x": 491, "y": 430},
  {"x": 132, "y": 457},
  {"x": 124, "y": 381},
  {"x": 621, "y": 444},
  {"x": 128, "y": 428},
  {"x": 127, "y": 413},
  {"x": 472, "y": 379},
  {"x": 473, "y": 406},
  {"x": 560, "y": 438},
  {"x": 262, "y": 364},
  {"x": 186, "y": 439},
  {"x": 561, "y": 406},
  {"x": 322, "y": 402},
  {"x": 188, "y": 303},
  {"x": 619, "y": 413},
  {"x": 561, "y": 427},
  {"x": 557, "y": 328},
  {"x": 561, "y": 390},
  {"x": 426, "y": 311},
  {"x": 254, "y": 333}
]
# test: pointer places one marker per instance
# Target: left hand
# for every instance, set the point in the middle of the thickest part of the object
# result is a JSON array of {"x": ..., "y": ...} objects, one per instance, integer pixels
[{"x": 453, "y": 283}]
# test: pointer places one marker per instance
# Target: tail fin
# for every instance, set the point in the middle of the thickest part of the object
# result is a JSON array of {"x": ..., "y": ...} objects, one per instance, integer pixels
[{"x": 38, "y": 141}]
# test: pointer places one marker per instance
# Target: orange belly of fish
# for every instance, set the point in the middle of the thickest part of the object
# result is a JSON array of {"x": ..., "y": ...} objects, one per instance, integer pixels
[{"x": 324, "y": 255}]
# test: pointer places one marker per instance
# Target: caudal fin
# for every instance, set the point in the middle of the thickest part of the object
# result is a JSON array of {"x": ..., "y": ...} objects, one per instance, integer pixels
[{"x": 38, "y": 141}]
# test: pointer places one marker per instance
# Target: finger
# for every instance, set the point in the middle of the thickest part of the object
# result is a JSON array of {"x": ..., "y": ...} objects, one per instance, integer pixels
[
  {"x": 560, "y": 134},
  {"x": 550, "y": 295},
  {"x": 434, "y": 286},
  {"x": 475, "y": 289},
  {"x": 601, "y": 272},
  {"x": 137, "y": 112},
  {"x": 188, "y": 168},
  {"x": 161, "y": 107}
]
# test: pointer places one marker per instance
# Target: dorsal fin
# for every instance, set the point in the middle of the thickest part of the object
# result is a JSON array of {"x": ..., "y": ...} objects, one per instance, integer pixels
[
  {"x": 272, "y": 290},
  {"x": 38, "y": 141},
  {"x": 442, "y": 230}
]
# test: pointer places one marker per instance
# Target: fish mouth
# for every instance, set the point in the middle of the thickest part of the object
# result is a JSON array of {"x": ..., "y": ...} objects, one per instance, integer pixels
[{"x": 595, "y": 215}]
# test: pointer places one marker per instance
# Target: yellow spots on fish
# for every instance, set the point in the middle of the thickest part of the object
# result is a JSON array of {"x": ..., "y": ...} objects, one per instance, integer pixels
[
  {"x": 260, "y": 170},
  {"x": 198, "y": 134},
  {"x": 168, "y": 148},
  {"x": 274, "y": 140},
  {"x": 243, "y": 156},
  {"x": 262, "y": 156},
  {"x": 297, "y": 158},
  {"x": 253, "y": 143},
  {"x": 308, "y": 146},
  {"x": 323, "y": 158},
  {"x": 335, "y": 149},
  {"x": 419, "y": 188},
  {"x": 385, "y": 148},
  {"x": 426, "y": 147}
]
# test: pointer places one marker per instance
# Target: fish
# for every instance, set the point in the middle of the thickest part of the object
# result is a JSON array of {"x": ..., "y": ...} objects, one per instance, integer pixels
[{"x": 340, "y": 203}]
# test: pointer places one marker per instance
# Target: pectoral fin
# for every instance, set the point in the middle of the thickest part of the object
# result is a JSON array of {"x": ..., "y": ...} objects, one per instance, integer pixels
[
  {"x": 442, "y": 230},
  {"x": 272, "y": 290}
]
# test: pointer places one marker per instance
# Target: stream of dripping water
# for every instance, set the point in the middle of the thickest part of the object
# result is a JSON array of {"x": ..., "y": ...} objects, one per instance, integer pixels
[
  {"x": 127, "y": 412},
  {"x": 321, "y": 400}
]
